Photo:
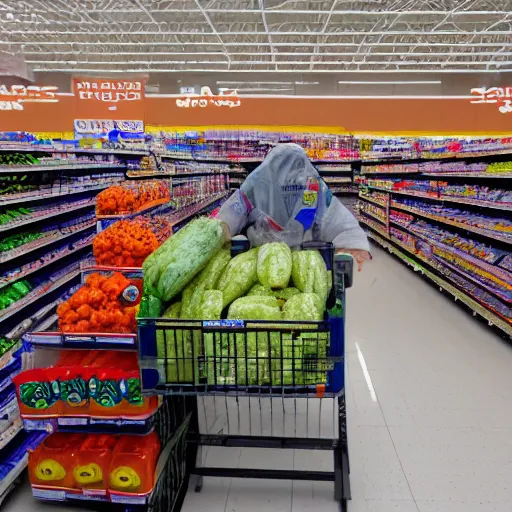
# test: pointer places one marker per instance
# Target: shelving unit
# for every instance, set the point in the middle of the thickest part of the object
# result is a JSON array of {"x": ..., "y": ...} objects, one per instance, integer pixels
[
  {"x": 170, "y": 419},
  {"x": 34, "y": 199},
  {"x": 418, "y": 209}
]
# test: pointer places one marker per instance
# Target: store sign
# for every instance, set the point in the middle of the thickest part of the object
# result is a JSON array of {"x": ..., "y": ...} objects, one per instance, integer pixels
[
  {"x": 502, "y": 96},
  {"x": 101, "y": 126},
  {"x": 107, "y": 128},
  {"x": 225, "y": 98},
  {"x": 15, "y": 96},
  {"x": 108, "y": 91}
]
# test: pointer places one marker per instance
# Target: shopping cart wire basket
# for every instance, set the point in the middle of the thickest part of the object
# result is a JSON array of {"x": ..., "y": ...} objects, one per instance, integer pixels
[
  {"x": 259, "y": 384},
  {"x": 237, "y": 356}
]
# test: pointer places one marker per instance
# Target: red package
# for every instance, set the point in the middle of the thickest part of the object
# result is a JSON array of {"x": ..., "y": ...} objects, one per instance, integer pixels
[
  {"x": 51, "y": 463},
  {"x": 38, "y": 391},
  {"x": 133, "y": 464},
  {"x": 92, "y": 463}
]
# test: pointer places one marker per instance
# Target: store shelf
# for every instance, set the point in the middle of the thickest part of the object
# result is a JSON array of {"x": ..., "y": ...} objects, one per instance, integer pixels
[
  {"x": 381, "y": 173},
  {"x": 245, "y": 160},
  {"x": 450, "y": 199},
  {"x": 371, "y": 200},
  {"x": 36, "y": 294},
  {"x": 36, "y": 149},
  {"x": 27, "y": 198},
  {"x": 91, "y": 341},
  {"x": 371, "y": 214},
  {"x": 454, "y": 157},
  {"x": 135, "y": 175},
  {"x": 476, "y": 307},
  {"x": 144, "y": 209},
  {"x": 199, "y": 206},
  {"x": 377, "y": 227},
  {"x": 444, "y": 266},
  {"x": 23, "y": 275},
  {"x": 8, "y": 434},
  {"x": 10, "y": 480},
  {"x": 56, "y": 167},
  {"x": 468, "y": 175},
  {"x": 24, "y": 249},
  {"x": 337, "y": 191},
  {"x": 492, "y": 235},
  {"x": 141, "y": 425},
  {"x": 181, "y": 175},
  {"x": 30, "y": 219},
  {"x": 329, "y": 172},
  {"x": 331, "y": 180},
  {"x": 482, "y": 265},
  {"x": 7, "y": 356},
  {"x": 218, "y": 159}
]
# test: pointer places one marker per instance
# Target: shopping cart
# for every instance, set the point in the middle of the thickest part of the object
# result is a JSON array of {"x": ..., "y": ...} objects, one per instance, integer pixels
[{"x": 258, "y": 384}]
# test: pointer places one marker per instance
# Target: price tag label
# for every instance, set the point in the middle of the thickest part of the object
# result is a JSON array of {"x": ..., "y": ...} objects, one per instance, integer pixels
[
  {"x": 66, "y": 422},
  {"x": 224, "y": 324},
  {"x": 49, "y": 494}
]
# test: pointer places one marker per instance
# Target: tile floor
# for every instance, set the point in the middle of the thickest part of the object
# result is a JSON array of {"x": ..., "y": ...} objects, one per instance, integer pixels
[{"x": 429, "y": 396}]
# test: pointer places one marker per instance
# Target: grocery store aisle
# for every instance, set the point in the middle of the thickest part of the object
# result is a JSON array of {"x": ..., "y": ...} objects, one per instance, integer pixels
[{"x": 430, "y": 424}]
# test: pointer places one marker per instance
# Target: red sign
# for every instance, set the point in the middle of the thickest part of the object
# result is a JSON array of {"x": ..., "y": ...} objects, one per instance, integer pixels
[
  {"x": 95, "y": 97},
  {"x": 502, "y": 96},
  {"x": 108, "y": 91},
  {"x": 14, "y": 97},
  {"x": 226, "y": 98}
]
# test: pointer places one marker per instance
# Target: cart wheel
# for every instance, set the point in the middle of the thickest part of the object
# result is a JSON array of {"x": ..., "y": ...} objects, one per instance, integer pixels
[{"x": 199, "y": 484}]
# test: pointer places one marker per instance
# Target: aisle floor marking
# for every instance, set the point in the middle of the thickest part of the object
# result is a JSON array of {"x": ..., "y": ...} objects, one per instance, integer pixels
[{"x": 366, "y": 373}]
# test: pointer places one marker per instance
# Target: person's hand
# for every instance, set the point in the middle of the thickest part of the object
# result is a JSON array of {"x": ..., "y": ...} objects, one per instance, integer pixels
[
  {"x": 226, "y": 232},
  {"x": 359, "y": 255}
]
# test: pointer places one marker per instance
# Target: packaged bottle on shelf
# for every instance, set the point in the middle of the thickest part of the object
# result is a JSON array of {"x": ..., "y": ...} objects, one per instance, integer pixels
[
  {"x": 51, "y": 463},
  {"x": 132, "y": 469},
  {"x": 93, "y": 460}
]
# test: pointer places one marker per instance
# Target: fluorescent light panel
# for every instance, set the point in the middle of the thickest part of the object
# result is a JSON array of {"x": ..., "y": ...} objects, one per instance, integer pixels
[
  {"x": 237, "y": 71},
  {"x": 233, "y": 82},
  {"x": 394, "y": 82}
]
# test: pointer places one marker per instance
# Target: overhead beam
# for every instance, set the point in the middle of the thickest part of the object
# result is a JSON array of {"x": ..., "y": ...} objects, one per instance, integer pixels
[
  {"x": 302, "y": 71},
  {"x": 286, "y": 63},
  {"x": 268, "y": 10},
  {"x": 255, "y": 54},
  {"x": 219, "y": 34}
]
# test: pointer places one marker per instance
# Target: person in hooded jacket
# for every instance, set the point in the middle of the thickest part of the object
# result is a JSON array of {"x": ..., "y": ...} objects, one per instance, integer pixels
[{"x": 285, "y": 200}]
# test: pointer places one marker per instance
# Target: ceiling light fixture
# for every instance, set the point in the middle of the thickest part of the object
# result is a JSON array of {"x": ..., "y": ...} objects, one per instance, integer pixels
[
  {"x": 233, "y": 82},
  {"x": 390, "y": 82}
]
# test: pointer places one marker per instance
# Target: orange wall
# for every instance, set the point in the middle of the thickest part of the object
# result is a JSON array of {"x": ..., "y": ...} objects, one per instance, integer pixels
[{"x": 455, "y": 116}]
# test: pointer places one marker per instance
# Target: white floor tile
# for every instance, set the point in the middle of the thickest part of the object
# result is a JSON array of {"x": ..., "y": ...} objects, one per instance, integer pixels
[
  {"x": 251, "y": 495},
  {"x": 318, "y": 497},
  {"x": 213, "y": 496},
  {"x": 450, "y": 506},
  {"x": 391, "y": 506},
  {"x": 427, "y": 506}
]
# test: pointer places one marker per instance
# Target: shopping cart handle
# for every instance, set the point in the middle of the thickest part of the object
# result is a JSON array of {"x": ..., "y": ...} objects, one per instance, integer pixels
[{"x": 343, "y": 271}]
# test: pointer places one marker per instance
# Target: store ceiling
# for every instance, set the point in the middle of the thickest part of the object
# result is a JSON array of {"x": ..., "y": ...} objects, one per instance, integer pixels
[{"x": 107, "y": 36}]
